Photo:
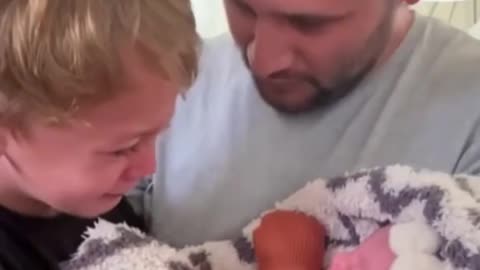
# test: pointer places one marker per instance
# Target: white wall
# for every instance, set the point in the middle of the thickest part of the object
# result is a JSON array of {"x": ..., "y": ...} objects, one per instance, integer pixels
[
  {"x": 210, "y": 16},
  {"x": 211, "y": 19}
]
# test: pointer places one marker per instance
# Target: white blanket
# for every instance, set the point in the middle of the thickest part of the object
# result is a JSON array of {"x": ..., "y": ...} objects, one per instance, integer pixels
[{"x": 351, "y": 207}]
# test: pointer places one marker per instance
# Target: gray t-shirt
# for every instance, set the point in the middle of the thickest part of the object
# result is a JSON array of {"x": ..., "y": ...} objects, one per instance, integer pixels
[{"x": 228, "y": 156}]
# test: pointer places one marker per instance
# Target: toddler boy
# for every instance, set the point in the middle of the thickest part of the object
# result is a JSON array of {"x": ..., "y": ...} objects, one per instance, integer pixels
[{"x": 85, "y": 87}]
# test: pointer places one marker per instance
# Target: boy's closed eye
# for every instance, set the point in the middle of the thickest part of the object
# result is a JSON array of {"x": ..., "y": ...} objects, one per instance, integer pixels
[
  {"x": 131, "y": 146},
  {"x": 124, "y": 150}
]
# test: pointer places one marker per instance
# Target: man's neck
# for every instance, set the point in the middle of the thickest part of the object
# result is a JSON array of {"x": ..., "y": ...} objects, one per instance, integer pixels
[{"x": 403, "y": 18}]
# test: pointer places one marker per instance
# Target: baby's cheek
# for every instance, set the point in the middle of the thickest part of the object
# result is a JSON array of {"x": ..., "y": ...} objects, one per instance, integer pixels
[
  {"x": 375, "y": 262},
  {"x": 342, "y": 261}
]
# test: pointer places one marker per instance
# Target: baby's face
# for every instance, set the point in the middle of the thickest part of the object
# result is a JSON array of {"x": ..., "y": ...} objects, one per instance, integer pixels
[
  {"x": 356, "y": 261},
  {"x": 373, "y": 254},
  {"x": 343, "y": 261}
]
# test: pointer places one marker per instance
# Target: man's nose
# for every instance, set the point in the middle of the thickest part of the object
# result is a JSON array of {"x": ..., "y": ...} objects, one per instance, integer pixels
[{"x": 269, "y": 52}]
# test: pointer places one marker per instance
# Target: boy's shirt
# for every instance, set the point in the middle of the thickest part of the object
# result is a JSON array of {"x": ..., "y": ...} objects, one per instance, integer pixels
[{"x": 28, "y": 243}]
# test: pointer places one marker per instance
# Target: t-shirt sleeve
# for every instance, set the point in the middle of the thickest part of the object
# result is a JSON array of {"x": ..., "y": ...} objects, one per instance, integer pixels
[{"x": 469, "y": 161}]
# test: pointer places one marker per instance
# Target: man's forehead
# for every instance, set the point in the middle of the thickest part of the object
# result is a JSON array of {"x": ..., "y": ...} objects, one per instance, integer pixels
[{"x": 313, "y": 7}]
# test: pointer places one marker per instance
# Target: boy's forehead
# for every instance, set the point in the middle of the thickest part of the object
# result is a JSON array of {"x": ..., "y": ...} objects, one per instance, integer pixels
[
  {"x": 129, "y": 117},
  {"x": 144, "y": 103}
]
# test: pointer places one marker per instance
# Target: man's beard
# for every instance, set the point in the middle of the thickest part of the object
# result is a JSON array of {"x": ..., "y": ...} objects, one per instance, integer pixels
[
  {"x": 323, "y": 96},
  {"x": 350, "y": 75}
]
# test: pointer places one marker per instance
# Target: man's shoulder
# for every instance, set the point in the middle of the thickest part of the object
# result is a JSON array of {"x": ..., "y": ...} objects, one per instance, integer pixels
[
  {"x": 220, "y": 56},
  {"x": 221, "y": 72},
  {"x": 449, "y": 52},
  {"x": 455, "y": 70},
  {"x": 220, "y": 42},
  {"x": 444, "y": 63}
]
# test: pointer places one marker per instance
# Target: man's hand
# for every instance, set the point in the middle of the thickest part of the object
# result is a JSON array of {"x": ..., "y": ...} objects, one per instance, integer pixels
[{"x": 289, "y": 240}]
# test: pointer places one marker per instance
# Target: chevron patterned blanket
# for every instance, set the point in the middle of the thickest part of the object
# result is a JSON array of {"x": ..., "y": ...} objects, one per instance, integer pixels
[{"x": 351, "y": 207}]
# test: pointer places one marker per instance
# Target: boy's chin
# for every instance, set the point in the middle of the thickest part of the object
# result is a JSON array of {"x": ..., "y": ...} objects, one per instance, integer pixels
[{"x": 101, "y": 206}]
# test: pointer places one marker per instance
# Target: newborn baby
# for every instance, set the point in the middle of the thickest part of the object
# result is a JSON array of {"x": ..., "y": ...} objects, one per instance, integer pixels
[{"x": 295, "y": 241}]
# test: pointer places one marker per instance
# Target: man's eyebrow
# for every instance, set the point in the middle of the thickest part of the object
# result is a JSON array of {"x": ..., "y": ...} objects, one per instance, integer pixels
[
  {"x": 310, "y": 16},
  {"x": 302, "y": 15},
  {"x": 242, "y": 5}
]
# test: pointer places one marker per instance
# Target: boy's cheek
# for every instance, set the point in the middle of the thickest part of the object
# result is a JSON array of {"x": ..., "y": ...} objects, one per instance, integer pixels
[
  {"x": 85, "y": 205},
  {"x": 84, "y": 195}
]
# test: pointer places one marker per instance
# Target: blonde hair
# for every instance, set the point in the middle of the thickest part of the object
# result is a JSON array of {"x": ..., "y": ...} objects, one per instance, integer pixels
[{"x": 56, "y": 53}]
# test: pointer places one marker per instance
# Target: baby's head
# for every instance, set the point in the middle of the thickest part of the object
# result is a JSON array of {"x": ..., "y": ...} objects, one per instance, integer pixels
[
  {"x": 289, "y": 240},
  {"x": 86, "y": 85},
  {"x": 397, "y": 247}
]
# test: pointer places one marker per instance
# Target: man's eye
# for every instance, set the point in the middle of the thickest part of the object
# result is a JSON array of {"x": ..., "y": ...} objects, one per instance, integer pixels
[
  {"x": 244, "y": 7},
  {"x": 308, "y": 23}
]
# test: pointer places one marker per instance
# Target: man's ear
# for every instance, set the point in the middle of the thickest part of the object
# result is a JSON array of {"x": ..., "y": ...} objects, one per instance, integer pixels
[
  {"x": 411, "y": 2},
  {"x": 3, "y": 140}
]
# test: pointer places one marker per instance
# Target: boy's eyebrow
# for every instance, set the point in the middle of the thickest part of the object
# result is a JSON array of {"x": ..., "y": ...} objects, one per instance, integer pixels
[{"x": 140, "y": 134}]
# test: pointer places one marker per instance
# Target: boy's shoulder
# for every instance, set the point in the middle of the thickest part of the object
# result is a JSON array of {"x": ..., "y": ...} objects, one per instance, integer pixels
[
  {"x": 39, "y": 243},
  {"x": 16, "y": 251}
]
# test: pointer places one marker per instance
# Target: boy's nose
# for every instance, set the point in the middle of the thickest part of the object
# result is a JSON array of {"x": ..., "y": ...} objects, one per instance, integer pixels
[{"x": 142, "y": 164}]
